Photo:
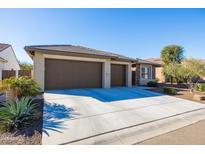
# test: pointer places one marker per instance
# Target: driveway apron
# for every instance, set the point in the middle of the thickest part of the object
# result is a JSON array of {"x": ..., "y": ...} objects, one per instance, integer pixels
[{"x": 113, "y": 116}]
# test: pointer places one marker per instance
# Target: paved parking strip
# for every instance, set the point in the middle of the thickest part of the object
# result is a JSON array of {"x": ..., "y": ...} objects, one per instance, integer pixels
[{"x": 113, "y": 116}]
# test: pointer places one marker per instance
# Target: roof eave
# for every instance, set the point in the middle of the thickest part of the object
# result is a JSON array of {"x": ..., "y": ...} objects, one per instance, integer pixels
[
  {"x": 148, "y": 62},
  {"x": 46, "y": 51}
]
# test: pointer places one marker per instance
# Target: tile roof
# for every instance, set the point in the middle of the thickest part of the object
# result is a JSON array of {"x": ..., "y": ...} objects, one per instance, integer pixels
[
  {"x": 155, "y": 60},
  {"x": 159, "y": 61},
  {"x": 141, "y": 61},
  {"x": 78, "y": 50},
  {"x": 4, "y": 46}
]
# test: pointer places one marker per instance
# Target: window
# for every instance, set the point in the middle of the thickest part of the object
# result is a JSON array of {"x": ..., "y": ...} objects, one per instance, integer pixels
[{"x": 146, "y": 72}]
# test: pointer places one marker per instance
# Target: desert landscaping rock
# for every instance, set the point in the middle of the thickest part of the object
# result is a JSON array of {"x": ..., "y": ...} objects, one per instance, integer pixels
[
  {"x": 199, "y": 97},
  {"x": 11, "y": 139}
]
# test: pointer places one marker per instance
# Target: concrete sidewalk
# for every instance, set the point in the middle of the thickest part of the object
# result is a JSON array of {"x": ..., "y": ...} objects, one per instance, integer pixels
[{"x": 78, "y": 119}]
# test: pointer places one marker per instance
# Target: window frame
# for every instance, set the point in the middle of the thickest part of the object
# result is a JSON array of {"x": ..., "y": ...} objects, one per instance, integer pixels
[{"x": 146, "y": 68}]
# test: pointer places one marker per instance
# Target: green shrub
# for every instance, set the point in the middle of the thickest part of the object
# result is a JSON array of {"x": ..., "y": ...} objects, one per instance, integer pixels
[
  {"x": 200, "y": 87},
  {"x": 170, "y": 91},
  {"x": 16, "y": 115},
  {"x": 152, "y": 84},
  {"x": 21, "y": 86}
]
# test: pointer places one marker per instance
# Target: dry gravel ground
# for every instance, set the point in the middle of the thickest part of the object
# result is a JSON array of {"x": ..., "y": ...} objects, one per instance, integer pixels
[
  {"x": 181, "y": 93},
  {"x": 192, "y": 134},
  {"x": 10, "y": 139}
]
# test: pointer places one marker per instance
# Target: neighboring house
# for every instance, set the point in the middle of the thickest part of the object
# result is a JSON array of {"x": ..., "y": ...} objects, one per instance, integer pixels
[
  {"x": 72, "y": 67},
  {"x": 8, "y": 60}
]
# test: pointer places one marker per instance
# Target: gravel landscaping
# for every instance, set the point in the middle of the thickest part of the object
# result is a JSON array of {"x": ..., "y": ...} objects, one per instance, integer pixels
[
  {"x": 182, "y": 92},
  {"x": 11, "y": 139}
]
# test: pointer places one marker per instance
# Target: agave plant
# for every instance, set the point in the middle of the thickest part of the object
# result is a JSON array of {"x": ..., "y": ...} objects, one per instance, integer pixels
[{"x": 16, "y": 115}]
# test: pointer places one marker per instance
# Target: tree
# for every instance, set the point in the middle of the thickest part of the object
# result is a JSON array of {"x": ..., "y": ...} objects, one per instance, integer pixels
[
  {"x": 25, "y": 66},
  {"x": 171, "y": 55},
  {"x": 193, "y": 70},
  {"x": 174, "y": 70},
  {"x": 188, "y": 71}
]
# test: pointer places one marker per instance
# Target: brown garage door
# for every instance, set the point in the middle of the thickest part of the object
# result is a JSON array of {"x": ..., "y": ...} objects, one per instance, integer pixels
[
  {"x": 117, "y": 75},
  {"x": 67, "y": 74}
]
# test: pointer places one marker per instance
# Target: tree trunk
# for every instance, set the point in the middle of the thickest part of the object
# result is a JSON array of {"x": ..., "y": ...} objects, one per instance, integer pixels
[
  {"x": 191, "y": 87},
  {"x": 171, "y": 80}
]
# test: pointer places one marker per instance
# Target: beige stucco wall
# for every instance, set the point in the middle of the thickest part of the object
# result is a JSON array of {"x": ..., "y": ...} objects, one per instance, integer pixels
[
  {"x": 159, "y": 74},
  {"x": 39, "y": 68},
  {"x": 106, "y": 74},
  {"x": 129, "y": 75}
]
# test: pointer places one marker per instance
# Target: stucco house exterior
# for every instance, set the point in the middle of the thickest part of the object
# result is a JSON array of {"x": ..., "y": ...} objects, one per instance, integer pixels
[
  {"x": 73, "y": 67},
  {"x": 8, "y": 60},
  {"x": 159, "y": 70},
  {"x": 145, "y": 71}
]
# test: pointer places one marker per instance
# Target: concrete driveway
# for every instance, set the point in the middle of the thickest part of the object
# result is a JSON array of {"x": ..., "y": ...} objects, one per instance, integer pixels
[{"x": 113, "y": 116}]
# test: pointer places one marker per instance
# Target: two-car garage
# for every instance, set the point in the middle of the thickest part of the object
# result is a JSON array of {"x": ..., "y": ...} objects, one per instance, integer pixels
[
  {"x": 69, "y": 74},
  {"x": 76, "y": 67}
]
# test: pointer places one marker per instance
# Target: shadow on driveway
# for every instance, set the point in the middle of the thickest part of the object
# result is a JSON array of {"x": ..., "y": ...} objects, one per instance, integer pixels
[
  {"x": 54, "y": 116},
  {"x": 109, "y": 95}
]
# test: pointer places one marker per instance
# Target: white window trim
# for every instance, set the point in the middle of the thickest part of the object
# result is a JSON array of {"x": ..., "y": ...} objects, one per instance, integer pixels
[{"x": 143, "y": 65}]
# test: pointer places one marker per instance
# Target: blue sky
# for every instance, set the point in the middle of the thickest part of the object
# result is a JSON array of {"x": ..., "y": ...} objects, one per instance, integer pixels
[{"x": 136, "y": 33}]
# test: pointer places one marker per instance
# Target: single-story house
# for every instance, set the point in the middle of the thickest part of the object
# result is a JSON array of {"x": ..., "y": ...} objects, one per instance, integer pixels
[
  {"x": 72, "y": 67},
  {"x": 8, "y": 60}
]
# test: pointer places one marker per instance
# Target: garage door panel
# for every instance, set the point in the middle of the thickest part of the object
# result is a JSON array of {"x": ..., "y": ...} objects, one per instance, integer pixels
[
  {"x": 66, "y": 74},
  {"x": 117, "y": 75}
]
